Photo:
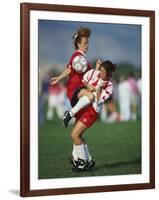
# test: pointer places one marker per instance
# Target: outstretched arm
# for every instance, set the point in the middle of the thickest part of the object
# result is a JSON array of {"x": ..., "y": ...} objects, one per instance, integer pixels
[
  {"x": 65, "y": 73},
  {"x": 105, "y": 94},
  {"x": 98, "y": 92}
]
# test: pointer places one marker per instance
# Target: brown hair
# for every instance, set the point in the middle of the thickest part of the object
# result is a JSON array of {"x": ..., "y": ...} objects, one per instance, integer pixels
[
  {"x": 109, "y": 66},
  {"x": 82, "y": 32}
]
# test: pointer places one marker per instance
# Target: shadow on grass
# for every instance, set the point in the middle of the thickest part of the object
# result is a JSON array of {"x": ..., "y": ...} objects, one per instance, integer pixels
[{"x": 118, "y": 164}]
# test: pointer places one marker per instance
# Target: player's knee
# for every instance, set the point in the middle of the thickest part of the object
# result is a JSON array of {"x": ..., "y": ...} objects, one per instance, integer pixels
[
  {"x": 73, "y": 136},
  {"x": 86, "y": 93}
]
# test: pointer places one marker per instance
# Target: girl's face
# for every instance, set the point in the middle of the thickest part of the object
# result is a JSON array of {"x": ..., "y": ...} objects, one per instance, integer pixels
[
  {"x": 103, "y": 74},
  {"x": 83, "y": 45}
]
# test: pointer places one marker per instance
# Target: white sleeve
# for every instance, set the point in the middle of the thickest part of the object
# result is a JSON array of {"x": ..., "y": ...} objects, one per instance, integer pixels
[
  {"x": 105, "y": 94},
  {"x": 87, "y": 75}
]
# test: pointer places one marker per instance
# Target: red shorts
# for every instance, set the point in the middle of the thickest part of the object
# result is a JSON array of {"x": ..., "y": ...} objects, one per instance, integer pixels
[{"x": 87, "y": 116}]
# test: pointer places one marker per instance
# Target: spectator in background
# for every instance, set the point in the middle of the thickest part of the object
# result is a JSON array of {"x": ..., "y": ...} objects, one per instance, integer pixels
[
  {"x": 43, "y": 94},
  {"x": 56, "y": 97},
  {"x": 104, "y": 113},
  {"x": 124, "y": 98},
  {"x": 139, "y": 85},
  {"x": 134, "y": 91}
]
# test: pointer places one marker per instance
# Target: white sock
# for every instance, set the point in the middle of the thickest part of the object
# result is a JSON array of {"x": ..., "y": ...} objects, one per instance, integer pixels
[
  {"x": 83, "y": 101},
  {"x": 88, "y": 156},
  {"x": 79, "y": 149},
  {"x": 74, "y": 154}
]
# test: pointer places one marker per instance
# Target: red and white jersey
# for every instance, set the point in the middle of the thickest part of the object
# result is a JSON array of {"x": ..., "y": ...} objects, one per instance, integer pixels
[
  {"x": 92, "y": 77},
  {"x": 75, "y": 78}
]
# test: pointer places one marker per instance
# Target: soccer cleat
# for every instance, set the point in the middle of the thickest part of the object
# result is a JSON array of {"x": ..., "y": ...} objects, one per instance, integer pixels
[
  {"x": 67, "y": 117},
  {"x": 74, "y": 162},
  {"x": 90, "y": 165},
  {"x": 80, "y": 166}
]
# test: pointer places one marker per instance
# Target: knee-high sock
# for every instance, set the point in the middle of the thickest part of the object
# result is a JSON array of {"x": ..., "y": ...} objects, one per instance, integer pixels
[
  {"x": 74, "y": 154},
  {"x": 88, "y": 156},
  {"x": 80, "y": 151},
  {"x": 83, "y": 101}
]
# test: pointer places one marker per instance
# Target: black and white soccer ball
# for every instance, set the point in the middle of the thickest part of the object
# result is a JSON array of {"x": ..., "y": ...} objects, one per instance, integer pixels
[{"x": 79, "y": 63}]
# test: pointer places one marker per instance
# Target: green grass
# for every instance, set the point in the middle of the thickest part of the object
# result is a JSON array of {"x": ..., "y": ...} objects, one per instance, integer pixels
[{"x": 116, "y": 148}]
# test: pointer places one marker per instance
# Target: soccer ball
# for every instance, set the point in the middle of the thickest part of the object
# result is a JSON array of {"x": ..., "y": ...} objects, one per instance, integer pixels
[{"x": 79, "y": 63}]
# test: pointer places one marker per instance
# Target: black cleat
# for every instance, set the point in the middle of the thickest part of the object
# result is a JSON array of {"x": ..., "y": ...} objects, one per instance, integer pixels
[
  {"x": 83, "y": 165},
  {"x": 74, "y": 162},
  {"x": 90, "y": 165},
  {"x": 67, "y": 117},
  {"x": 80, "y": 166}
]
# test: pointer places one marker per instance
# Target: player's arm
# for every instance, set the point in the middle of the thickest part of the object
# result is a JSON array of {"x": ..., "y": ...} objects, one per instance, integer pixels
[
  {"x": 95, "y": 89},
  {"x": 98, "y": 92},
  {"x": 105, "y": 94},
  {"x": 64, "y": 74},
  {"x": 99, "y": 89},
  {"x": 86, "y": 79}
]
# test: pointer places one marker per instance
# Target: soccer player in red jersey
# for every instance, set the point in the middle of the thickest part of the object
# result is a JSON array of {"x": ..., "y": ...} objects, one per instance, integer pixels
[{"x": 75, "y": 84}]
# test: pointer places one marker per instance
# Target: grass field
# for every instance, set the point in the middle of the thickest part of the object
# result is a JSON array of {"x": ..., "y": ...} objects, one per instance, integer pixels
[{"x": 115, "y": 147}]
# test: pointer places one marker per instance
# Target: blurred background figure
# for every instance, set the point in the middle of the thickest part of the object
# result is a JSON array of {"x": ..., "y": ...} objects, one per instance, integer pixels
[
  {"x": 43, "y": 95},
  {"x": 124, "y": 99},
  {"x": 67, "y": 106},
  {"x": 103, "y": 114},
  {"x": 139, "y": 85},
  {"x": 114, "y": 115},
  {"x": 56, "y": 97},
  {"x": 134, "y": 92}
]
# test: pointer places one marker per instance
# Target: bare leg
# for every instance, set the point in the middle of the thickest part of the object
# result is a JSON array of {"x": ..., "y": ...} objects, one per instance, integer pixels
[
  {"x": 80, "y": 147},
  {"x": 77, "y": 133},
  {"x": 78, "y": 141},
  {"x": 86, "y": 92}
]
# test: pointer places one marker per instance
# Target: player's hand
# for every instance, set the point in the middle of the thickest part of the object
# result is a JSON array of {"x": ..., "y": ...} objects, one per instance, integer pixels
[
  {"x": 98, "y": 64},
  {"x": 54, "y": 81},
  {"x": 101, "y": 83}
]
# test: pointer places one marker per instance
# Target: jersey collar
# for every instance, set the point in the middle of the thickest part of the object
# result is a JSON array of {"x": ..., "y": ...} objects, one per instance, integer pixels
[{"x": 81, "y": 52}]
